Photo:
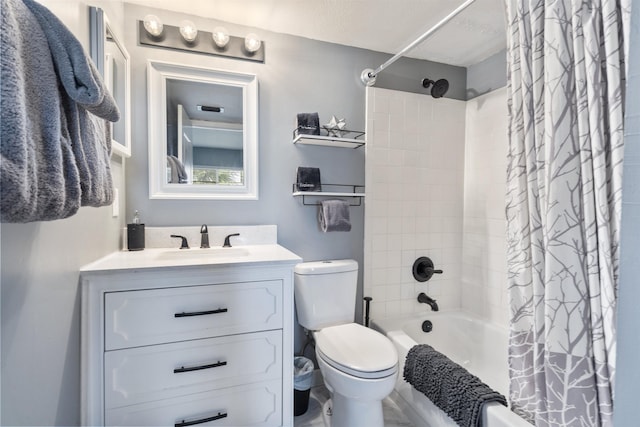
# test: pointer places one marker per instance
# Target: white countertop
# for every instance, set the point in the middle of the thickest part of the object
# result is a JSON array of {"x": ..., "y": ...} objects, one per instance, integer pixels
[{"x": 194, "y": 257}]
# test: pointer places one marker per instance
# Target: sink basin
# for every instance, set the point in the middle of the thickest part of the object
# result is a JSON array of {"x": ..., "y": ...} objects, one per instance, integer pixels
[{"x": 202, "y": 254}]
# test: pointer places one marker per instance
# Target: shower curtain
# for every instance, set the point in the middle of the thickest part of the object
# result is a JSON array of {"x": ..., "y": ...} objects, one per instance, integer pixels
[{"x": 566, "y": 95}]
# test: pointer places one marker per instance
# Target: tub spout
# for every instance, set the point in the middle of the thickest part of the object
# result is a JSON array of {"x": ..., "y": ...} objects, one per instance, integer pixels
[{"x": 424, "y": 298}]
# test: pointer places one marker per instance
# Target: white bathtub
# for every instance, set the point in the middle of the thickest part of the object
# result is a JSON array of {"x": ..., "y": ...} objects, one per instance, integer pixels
[{"x": 479, "y": 346}]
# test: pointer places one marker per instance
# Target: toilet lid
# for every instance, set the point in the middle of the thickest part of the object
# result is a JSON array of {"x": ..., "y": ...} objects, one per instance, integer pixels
[{"x": 357, "y": 350}]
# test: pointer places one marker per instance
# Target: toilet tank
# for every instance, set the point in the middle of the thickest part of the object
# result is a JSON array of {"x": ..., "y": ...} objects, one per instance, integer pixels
[{"x": 325, "y": 292}]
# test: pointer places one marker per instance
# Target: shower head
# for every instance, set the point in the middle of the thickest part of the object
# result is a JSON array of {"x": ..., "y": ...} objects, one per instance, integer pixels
[{"x": 440, "y": 87}]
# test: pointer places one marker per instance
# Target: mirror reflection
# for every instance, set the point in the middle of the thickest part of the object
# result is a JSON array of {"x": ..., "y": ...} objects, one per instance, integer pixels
[{"x": 204, "y": 133}]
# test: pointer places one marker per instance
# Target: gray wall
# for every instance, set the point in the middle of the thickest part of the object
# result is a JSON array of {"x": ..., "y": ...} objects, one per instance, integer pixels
[
  {"x": 487, "y": 76},
  {"x": 299, "y": 75},
  {"x": 626, "y": 412},
  {"x": 39, "y": 287}
]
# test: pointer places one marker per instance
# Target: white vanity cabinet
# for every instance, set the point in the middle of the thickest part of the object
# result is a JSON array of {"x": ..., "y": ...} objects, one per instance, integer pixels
[{"x": 207, "y": 344}]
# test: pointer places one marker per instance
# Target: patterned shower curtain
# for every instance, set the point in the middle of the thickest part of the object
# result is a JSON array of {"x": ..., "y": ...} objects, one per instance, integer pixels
[{"x": 566, "y": 95}]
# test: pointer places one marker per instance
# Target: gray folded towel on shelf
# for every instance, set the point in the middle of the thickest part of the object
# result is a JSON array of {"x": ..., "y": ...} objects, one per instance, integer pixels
[
  {"x": 308, "y": 123},
  {"x": 308, "y": 179},
  {"x": 448, "y": 385},
  {"x": 333, "y": 215}
]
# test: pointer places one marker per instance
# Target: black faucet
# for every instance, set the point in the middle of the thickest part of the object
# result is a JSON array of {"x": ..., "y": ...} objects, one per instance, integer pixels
[
  {"x": 184, "y": 244},
  {"x": 204, "y": 237},
  {"x": 424, "y": 298},
  {"x": 227, "y": 244}
]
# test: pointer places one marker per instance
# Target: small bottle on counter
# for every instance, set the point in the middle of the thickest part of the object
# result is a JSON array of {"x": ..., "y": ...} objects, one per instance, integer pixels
[{"x": 135, "y": 234}]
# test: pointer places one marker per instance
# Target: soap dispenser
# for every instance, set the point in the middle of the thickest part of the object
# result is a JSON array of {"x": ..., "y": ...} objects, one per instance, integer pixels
[{"x": 135, "y": 234}]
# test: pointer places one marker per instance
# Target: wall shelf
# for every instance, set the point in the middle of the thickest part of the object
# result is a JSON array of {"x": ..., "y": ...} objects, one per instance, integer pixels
[
  {"x": 355, "y": 194},
  {"x": 351, "y": 141}
]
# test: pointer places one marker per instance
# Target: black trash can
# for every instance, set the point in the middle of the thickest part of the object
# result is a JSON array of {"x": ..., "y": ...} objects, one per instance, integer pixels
[{"x": 302, "y": 375}]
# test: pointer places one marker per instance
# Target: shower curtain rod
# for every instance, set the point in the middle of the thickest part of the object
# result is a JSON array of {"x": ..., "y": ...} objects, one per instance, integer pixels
[{"x": 369, "y": 75}]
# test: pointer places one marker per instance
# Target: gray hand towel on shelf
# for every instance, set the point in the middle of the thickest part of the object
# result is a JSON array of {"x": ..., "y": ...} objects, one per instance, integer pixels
[
  {"x": 308, "y": 123},
  {"x": 308, "y": 179},
  {"x": 333, "y": 215},
  {"x": 448, "y": 385}
]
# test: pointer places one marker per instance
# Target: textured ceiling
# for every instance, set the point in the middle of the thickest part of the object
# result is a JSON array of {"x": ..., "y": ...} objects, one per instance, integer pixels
[{"x": 380, "y": 25}]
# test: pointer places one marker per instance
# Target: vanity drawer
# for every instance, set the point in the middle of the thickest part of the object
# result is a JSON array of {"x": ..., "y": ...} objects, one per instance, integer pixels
[
  {"x": 250, "y": 405},
  {"x": 157, "y": 372},
  {"x": 156, "y": 316}
]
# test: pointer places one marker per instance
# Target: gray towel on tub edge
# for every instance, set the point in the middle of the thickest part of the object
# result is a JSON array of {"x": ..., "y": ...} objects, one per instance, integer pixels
[{"x": 448, "y": 385}]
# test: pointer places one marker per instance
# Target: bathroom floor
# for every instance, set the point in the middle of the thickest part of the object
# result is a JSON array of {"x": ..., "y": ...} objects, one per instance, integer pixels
[{"x": 393, "y": 416}]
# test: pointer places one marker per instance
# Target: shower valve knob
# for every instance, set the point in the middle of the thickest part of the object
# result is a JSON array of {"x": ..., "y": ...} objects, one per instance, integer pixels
[{"x": 423, "y": 269}]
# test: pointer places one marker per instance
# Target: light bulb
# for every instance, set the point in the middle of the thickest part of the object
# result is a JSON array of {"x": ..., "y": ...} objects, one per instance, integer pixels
[
  {"x": 153, "y": 25},
  {"x": 252, "y": 43},
  {"x": 220, "y": 36},
  {"x": 188, "y": 31}
]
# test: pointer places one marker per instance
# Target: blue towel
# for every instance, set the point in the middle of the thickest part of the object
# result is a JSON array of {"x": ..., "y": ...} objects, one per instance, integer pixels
[
  {"x": 54, "y": 154},
  {"x": 39, "y": 178},
  {"x": 76, "y": 71},
  {"x": 89, "y": 98}
]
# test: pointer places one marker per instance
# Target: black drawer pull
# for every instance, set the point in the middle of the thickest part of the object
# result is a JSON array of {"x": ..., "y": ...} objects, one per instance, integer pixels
[
  {"x": 201, "y": 421},
  {"x": 201, "y": 313},
  {"x": 198, "y": 368}
]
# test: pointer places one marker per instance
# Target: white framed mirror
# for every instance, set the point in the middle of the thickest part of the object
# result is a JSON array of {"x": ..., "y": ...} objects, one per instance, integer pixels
[
  {"x": 112, "y": 60},
  {"x": 203, "y": 133}
]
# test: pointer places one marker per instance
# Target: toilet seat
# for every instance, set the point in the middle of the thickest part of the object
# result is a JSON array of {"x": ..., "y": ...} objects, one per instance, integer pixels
[{"x": 357, "y": 350}]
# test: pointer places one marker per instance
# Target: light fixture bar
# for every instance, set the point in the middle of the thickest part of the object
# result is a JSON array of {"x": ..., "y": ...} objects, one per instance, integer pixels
[{"x": 171, "y": 39}]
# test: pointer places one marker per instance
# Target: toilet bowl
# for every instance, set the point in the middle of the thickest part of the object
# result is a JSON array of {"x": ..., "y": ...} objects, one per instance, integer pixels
[{"x": 359, "y": 365}]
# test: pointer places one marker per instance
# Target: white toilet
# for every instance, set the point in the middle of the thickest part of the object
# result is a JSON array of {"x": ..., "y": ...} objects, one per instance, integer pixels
[{"x": 359, "y": 365}]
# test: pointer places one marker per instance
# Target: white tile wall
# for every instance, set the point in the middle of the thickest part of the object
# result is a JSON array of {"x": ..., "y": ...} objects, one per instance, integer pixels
[
  {"x": 414, "y": 199},
  {"x": 435, "y": 185},
  {"x": 484, "y": 269}
]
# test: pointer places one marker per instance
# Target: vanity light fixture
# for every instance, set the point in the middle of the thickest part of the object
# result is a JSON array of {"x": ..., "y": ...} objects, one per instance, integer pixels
[
  {"x": 252, "y": 43},
  {"x": 220, "y": 37},
  {"x": 153, "y": 25},
  {"x": 188, "y": 31},
  {"x": 187, "y": 37}
]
